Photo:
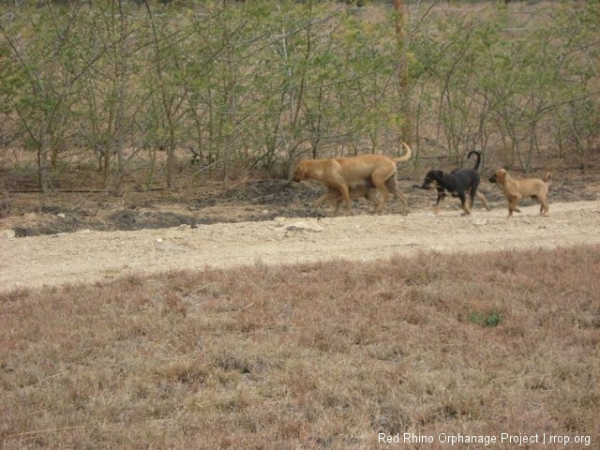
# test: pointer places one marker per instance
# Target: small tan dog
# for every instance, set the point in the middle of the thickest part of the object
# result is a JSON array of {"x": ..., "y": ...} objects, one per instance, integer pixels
[
  {"x": 364, "y": 190},
  {"x": 516, "y": 190},
  {"x": 342, "y": 174}
]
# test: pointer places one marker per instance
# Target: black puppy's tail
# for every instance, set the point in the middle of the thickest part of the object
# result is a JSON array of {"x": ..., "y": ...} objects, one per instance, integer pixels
[{"x": 478, "y": 162}]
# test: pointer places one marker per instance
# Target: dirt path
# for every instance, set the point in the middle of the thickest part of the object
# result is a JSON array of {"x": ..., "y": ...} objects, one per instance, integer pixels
[{"x": 88, "y": 256}]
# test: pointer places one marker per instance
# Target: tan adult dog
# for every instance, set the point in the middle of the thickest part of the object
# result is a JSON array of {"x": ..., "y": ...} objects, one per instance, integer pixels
[
  {"x": 516, "y": 190},
  {"x": 343, "y": 173},
  {"x": 364, "y": 190}
]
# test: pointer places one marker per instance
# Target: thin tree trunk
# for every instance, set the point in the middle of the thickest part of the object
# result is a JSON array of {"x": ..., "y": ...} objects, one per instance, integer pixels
[{"x": 403, "y": 74}]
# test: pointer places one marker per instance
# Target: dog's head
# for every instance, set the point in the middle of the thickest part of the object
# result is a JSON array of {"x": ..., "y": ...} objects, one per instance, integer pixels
[
  {"x": 432, "y": 178},
  {"x": 301, "y": 171},
  {"x": 499, "y": 176}
]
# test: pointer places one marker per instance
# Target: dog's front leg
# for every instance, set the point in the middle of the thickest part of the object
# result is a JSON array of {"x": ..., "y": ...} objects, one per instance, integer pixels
[
  {"x": 513, "y": 201},
  {"x": 373, "y": 198},
  {"x": 440, "y": 198},
  {"x": 346, "y": 196},
  {"x": 321, "y": 199},
  {"x": 481, "y": 197}
]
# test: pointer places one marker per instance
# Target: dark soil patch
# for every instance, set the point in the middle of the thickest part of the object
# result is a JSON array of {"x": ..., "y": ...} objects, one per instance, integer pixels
[
  {"x": 273, "y": 193},
  {"x": 128, "y": 219},
  {"x": 56, "y": 220}
]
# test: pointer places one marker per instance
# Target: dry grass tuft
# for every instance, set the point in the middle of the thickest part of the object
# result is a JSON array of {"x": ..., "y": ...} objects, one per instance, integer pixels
[{"x": 324, "y": 355}]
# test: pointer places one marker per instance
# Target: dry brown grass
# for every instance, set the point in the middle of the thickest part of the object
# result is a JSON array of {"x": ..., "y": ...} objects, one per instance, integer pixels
[{"x": 312, "y": 356}]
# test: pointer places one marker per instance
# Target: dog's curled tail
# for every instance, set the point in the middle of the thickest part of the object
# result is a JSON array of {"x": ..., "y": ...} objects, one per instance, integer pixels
[
  {"x": 478, "y": 162},
  {"x": 548, "y": 178},
  {"x": 406, "y": 156}
]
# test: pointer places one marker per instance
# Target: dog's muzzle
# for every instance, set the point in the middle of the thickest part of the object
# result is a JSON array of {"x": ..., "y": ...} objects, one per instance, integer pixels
[
  {"x": 493, "y": 178},
  {"x": 427, "y": 184}
]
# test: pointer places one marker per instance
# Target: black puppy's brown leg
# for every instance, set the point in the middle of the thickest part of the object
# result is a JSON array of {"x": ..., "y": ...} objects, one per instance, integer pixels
[
  {"x": 440, "y": 198},
  {"x": 464, "y": 203},
  {"x": 471, "y": 192},
  {"x": 481, "y": 197}
]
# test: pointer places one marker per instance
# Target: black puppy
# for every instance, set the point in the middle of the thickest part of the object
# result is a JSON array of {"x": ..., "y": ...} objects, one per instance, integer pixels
[{"x": 458, "y": 183}]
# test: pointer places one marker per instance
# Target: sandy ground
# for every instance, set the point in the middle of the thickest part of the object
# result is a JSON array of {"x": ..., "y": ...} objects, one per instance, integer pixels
[{"x": 89, "y": 256}]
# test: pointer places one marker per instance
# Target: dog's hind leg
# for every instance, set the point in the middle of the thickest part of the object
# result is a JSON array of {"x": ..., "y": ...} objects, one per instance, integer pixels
[
  {"x": 392, "y": 185},
  {"x": 474, "y": 188},
  {"x": 400, "y": 196},
  {"x": 481, "y": 197},
  {"x": 403, "y": 199},
  {"x": 464, "y": 203},
  {"x": 385, "y": 194},
  {"x": 471, "y": 191},
  {"x": 472, "y": 194},
  {"x": 384, "y": 179},
  {"x": 545, "y": 207}
]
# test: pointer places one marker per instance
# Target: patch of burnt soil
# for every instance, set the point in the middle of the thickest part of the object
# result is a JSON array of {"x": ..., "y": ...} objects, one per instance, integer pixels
[
  {"x": 128, "y": 220},
  {"x": 123, "y": 220},
  {"x": 55, "y": 219},
  {"x": 254, "y": 201},
  {"x": 272, "y": 193}
]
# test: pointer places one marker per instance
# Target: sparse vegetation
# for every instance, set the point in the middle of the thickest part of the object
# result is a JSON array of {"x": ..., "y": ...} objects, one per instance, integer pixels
[
  {"x": 487, "y": 320},
  {"x": 132, "y": 88},
  {"x": 324, "y": 355}
]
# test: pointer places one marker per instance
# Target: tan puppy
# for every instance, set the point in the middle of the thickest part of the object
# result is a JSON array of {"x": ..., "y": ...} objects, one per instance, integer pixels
[
  {"x": 342, "y": 173},
  {"x": 515, "y": 190},
  {"x": 366, "y": 190}
]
